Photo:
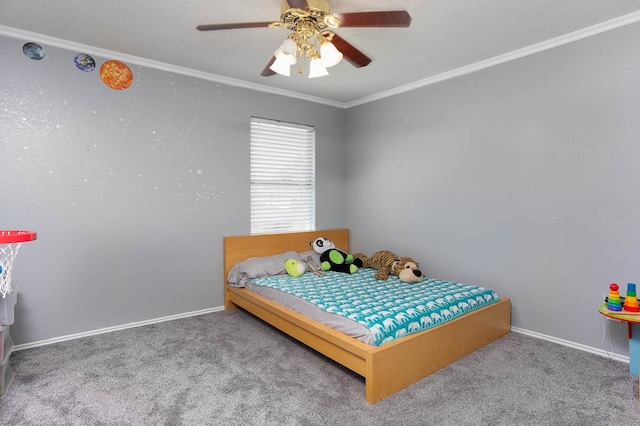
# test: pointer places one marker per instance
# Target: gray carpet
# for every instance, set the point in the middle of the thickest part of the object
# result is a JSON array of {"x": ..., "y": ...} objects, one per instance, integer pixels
[{"x": 229, "y": 368}]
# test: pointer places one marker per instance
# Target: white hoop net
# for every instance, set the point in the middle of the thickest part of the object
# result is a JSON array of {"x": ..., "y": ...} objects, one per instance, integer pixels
[
  {"x": 8, "y": 253},
  {"x": 10, "y": 242}
]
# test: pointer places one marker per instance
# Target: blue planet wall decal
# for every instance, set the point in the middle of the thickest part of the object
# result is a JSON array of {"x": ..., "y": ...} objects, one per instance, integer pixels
[
  {"x": 33, "y": 51},
  {"x": 84, "y": 62}
]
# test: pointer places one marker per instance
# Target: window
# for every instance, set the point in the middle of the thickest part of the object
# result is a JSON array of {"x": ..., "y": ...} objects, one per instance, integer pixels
[{"x": 283, "y": 177}]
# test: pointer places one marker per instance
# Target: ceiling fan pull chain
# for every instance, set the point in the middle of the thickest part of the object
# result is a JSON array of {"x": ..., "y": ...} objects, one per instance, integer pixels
[{"x": 304, "y": 59}]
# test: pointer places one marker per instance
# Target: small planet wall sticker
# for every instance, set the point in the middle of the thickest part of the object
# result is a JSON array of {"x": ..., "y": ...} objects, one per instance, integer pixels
[
  {"x": 84, "y": 62},
  {"x": 33, "y": 51},
  {"x": 116, "y": 75}
]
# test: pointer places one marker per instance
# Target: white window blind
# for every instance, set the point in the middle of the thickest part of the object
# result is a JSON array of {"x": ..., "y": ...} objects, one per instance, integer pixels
[{"x": 283, "y": 177}]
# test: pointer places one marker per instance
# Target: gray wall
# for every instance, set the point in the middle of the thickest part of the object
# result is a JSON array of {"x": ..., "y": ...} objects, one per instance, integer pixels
[
  {"x": 131, "y": 191},
  {"x": 523, "y": 177}
]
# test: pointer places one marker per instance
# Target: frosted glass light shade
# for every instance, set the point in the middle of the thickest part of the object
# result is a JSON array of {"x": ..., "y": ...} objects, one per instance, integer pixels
[
  {"x": 287, "y": 51},
  {"x": 329, "y": 54},
  {"x": 317, "y": 69},
  {"x": 281, "y": 66}
]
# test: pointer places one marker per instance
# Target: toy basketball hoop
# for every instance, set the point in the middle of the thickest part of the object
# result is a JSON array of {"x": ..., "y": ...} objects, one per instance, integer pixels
[{"x": 10, "y": 242}]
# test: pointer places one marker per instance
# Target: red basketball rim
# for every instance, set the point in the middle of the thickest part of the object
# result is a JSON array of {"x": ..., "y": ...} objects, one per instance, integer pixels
[{"x": 8, "y": 237}]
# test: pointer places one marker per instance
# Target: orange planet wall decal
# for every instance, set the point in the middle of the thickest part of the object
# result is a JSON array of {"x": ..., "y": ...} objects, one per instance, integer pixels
[{"x": 116, "y": 75}]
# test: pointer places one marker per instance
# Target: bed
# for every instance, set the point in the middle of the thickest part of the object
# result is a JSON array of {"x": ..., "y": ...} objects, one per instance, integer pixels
[{"x": 387, "y": 368}]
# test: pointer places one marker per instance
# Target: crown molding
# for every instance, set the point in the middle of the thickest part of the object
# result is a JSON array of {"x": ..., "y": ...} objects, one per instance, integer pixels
[
  {"x": 581, "y": 34},
  {"x": 562, "y": 40},
  {"x": 70, "y": 45}
]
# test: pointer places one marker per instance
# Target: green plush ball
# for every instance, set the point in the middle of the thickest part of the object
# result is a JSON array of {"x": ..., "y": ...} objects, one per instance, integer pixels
[{"x": 294, "y": 267}]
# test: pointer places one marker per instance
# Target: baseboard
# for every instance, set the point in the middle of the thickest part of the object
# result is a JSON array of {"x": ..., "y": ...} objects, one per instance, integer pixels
[
  {"x": 570, "y": 344},
  {"x": 115, "y": 328},
  {"x": 51, "y": 341}
]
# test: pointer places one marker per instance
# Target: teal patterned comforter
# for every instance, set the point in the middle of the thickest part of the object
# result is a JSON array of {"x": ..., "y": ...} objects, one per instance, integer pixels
[{"x": 390, "y": 309}]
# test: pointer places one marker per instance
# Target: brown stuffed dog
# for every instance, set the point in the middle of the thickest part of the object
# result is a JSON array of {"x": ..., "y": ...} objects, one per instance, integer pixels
[{"x": 388, "y": 263}]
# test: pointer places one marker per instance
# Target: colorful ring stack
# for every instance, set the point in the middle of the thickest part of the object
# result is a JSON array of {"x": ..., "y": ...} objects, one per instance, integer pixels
[
  {"x": 613, "y": 302},
  {"x": 631, "y": 301}
]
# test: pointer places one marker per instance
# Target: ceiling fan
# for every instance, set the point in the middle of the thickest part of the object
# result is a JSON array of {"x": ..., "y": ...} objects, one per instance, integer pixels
[{"x": 312, "y": 38}]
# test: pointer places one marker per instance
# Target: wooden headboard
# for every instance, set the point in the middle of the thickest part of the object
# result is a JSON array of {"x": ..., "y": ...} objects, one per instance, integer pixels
[{"x": 239, "y": 248}]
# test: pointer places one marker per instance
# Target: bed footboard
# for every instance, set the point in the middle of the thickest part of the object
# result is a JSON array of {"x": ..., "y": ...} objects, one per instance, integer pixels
[
  {"x": 398, "y": 364},
  {"x": 392, "y": 367}
]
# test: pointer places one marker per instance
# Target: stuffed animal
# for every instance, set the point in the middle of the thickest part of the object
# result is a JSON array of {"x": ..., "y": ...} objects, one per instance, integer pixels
[
  {"x": 294, "y": 267},
  {"x": 332, "y": 258},
  {"x": 388, "y": 263}
]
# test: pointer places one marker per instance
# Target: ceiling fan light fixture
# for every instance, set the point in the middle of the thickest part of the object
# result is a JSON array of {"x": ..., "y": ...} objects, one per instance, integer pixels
[
  {"x": 287, "y": 51},
  {"x": 317, "y": 69},
  {"x": 329, "y": 54},
  {"x": 331, "y": 20},
  {"x": 281, "y": 66},
  {"x": 310, "y": 23}
]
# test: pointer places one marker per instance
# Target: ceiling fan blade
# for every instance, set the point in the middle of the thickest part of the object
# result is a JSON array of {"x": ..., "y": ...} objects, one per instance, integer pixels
[
  {"x": 350, "y": 53},
  {"x": 267, "y": 72},
  {"x": 298, "y": 4},
  {"x": 213, "y": 27},
  {"x": 392, "y": 18}
]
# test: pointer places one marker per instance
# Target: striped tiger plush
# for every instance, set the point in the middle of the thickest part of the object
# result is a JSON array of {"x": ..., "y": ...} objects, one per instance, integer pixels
[{"x": 388, "y": 263}]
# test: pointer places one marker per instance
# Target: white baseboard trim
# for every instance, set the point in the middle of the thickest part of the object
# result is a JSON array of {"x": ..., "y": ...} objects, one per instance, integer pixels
[
  {"x": 115, "y": 328},
  {"x": 51, "y": 341},
  {"x": 570, "y": 344}
]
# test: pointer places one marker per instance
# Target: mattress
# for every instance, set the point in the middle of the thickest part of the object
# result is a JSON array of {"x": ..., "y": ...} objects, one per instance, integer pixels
[
  {"x": 337, "y": 322},
  {"x": 372, "y": 311}
]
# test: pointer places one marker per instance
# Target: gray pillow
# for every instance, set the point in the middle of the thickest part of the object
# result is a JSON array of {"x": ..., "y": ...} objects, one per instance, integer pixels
[
  {"x": 315, "y": 257},
  {"x": 257, "y": 267}
]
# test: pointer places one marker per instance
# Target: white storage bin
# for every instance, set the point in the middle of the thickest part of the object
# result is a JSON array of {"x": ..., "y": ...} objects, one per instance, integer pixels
[
  {"x": 6, "y": 373},
  {"x": 7, "y": 305},
  {"x": 6, "y": 376},
  {"x": 6, "y": 344}
]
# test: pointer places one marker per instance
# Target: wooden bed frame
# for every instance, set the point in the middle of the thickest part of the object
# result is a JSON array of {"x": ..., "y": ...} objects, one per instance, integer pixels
[{"x": 387, "y": 368}]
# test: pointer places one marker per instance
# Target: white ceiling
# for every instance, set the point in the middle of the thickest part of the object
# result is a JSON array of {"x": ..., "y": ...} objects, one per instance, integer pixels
[{"x": 444, "y": 36}]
